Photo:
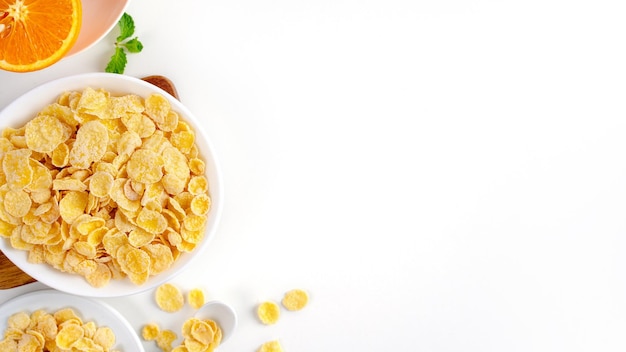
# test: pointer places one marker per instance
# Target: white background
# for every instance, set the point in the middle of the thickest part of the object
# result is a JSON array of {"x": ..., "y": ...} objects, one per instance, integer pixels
[{"x": 440, "y": 175}]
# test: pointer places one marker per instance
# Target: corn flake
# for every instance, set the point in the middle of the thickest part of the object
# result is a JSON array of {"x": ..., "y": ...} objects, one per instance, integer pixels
[
  {"x": 295, "y": 299},
  {"x": 195, "y": 297},
  {"x": 271, "y": 346},
  {"x": 150, "y": 332},
  {"x": 157, "y": 107},
  {"x": 268, "y": 312},
  {"x": 200, "y": 204},
  {"x": 72, "y": 205},
  {"x": 169, "y": 298},
  {"x": 17, "y": 202},
  {"x": 90, "y": 145},
  {"x": 198, "y": 185},
  {"x": 17, "y": 169},
  {"x": 44, "y": 133},
  {"x": 101, "y": 183}
]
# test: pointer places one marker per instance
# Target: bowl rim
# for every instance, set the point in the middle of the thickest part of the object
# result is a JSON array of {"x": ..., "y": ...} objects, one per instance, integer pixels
[
  {"x": 80, "y": 46},
  {"x": 22, "y": 109}
]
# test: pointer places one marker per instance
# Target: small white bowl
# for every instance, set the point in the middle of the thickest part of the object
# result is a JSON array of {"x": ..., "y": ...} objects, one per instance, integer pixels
[
  {"x": 223, "y": 314},
  {"x": 87, "y": 309},
  {"x": 99, "y": 18},
  {"x": 25, "y": 107}
]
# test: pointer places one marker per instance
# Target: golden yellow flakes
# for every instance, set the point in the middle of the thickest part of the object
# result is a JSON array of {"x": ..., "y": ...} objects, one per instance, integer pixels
[
  {"x": 106, "y": 187},
  {"x": 90, "y": 144},
  {"x": 165, "y": 339},
  {"x": 169, "y": 298},
  {"x": 19, "y": 321},
  {"x": 44, "y": 133},
  {"x": 200, "y": 204},
  {"x": 145, "y": 166},
  {"x": 60, "y": 155},
  {"x": 69, "y": 335},
  {"x": 104, "y": 337},
  {"x": 151, "y": 221},
  {"x": 198, "y": 336},
  {"x": 62, "y": 330},
  {"x": 195, "y": 297},
  {"x": 295, "y": 299},
  {"x": 198, "y": 185},
  {"x": 17, "y": 202},
  {"x": 17, "y": 169},
  {"x": 183, "y": 140},
  {"x": 157, "y": 107},
  {"x": 150, "y": 332},
  {"x": 268, "y": 312},
  {"x": 271, "y": 346},
  {"x": 72, "y": 205},
  {"x": 161, "y": 257}
]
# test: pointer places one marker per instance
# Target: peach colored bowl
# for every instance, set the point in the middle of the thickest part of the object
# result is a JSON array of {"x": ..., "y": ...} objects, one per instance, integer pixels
[{"x": 99, "y": 18}]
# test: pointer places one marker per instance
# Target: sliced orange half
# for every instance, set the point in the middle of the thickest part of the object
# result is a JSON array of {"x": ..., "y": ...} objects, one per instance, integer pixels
[{"x": 34, "y": 34}]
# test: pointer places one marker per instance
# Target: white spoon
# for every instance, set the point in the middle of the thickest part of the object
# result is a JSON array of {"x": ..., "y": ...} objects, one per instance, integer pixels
[{"x": 223, "y": 314}]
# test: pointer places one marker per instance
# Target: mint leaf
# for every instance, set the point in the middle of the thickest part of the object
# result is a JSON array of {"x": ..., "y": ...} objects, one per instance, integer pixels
[
  {"x": 134, "y": 45},
  {"x": 127, "y": 27},
  {"x": 118, "y": 62}
]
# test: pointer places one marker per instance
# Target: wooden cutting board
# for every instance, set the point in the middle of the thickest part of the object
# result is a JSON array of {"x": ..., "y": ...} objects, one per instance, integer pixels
[{"x": 10, "y": 275}]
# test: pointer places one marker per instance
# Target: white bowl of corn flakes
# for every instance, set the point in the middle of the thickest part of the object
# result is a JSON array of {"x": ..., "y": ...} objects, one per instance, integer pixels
[
  {"x": 60, "y": 321},
  {"x": 108, "y": 185}
]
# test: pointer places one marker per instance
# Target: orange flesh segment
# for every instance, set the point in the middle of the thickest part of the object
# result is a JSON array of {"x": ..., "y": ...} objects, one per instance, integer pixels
[{"x": 34, "y": 34}]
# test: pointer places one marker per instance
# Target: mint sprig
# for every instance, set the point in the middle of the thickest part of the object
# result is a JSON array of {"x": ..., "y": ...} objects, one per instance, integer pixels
[{"x": 123, "y": 44}]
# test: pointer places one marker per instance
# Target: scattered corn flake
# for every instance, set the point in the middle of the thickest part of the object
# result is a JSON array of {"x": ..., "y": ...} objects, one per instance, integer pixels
[
  {"x": 150, "y": 331},
  {"x": 195, "y": 297},
  {"x": 165, "y": 339},
  {"x": 268, "y": 312},
  {"x": 295, "y": 299},
  {"x": 169, "y": 298},
  {"x": 271, "y": 346}
]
